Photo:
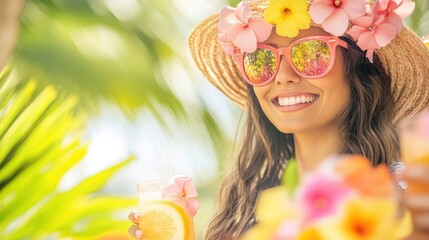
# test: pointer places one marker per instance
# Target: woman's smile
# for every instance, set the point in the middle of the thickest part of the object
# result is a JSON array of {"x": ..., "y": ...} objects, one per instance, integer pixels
[{"x": 291, "y": 102}]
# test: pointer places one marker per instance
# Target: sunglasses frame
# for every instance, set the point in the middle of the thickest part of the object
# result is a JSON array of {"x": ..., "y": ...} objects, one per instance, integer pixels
[{"x": 331, "y": 41}]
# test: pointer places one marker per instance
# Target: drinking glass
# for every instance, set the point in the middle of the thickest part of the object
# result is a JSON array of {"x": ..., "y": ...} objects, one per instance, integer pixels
[
  {"x": 163, "y": 214},
  {"x": 414, "y": 140}
]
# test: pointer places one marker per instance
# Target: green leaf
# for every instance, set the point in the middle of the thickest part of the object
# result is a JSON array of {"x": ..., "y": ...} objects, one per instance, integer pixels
[
  {"x": 11, "y": 111},
  {"x": 41, "y": 141},
  {"x": 44, "y": 183},
  {"x": 290, "y": 178}
]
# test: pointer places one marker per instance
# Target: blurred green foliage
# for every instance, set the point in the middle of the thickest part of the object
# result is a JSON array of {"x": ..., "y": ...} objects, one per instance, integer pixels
[
  {"x": 83, "y": 48},
  {"x": 35, "y": 156},
  {"x": 419, "y": 20},
  {"x": 115, "y": 52}
]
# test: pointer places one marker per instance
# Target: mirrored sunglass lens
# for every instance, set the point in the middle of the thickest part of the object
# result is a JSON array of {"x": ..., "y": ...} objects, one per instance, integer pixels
[
  {"x": 260, "y": 65},
  {"x": 312, "y": 57}
]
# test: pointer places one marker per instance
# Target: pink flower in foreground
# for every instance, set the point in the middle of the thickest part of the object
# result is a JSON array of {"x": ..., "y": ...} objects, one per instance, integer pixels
[
  {"x": 288, "y": 230},
  {"x": 320, "y": 196},
  {"x": 188, "y": 196},
  {"x": 334, "y": 15},
  {"x": 237, "y": 26}
]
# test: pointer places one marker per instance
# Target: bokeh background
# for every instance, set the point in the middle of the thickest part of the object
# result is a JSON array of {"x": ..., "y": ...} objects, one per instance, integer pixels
[{"x": 97, "y": 95}]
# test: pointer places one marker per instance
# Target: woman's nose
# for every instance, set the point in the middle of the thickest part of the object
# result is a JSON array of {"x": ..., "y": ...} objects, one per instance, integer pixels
[{"x": 286, "y": 74}]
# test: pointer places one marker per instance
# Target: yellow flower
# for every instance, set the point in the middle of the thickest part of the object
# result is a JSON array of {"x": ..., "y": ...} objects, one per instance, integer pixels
[
  {"x": 363, "y": 219},
  {"x": 403, "y": 227},
  {"x": 274, "y": 206},
  {"x": 311, "y": 233},
  {"x": 260, "y": 231},
  {"x": 272, "y": 209},
  {"x": 289, "y": 16}
]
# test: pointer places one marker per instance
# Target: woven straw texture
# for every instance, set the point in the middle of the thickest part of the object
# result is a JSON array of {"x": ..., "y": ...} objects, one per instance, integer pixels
[{"x": 405, "y": 60}]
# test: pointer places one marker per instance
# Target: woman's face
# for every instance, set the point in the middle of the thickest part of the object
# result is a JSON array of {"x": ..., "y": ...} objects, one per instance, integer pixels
[{"x": 328, "y": 95}]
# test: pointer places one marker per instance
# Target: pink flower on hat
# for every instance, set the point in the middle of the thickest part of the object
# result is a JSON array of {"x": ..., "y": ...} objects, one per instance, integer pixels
[
  {"x": 395, "y": 10},
  {"x": 227, "y": 45},
  {"x": 237, "y": 26},
  {"x": 371, "y": 32},
  {"x": 334, "y": 15},
  {"x": 379, "y": 27}
]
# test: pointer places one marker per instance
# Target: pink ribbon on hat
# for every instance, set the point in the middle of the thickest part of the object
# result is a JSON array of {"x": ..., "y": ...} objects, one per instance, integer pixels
[{"x": 185, "y": 194}]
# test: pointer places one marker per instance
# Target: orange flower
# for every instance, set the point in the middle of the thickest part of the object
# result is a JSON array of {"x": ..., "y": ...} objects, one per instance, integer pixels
[{"x": 358, "y": 173}]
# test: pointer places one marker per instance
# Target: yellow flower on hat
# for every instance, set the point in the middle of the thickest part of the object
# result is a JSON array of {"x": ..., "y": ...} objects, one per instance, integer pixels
[{"x": 289, "y": 16}]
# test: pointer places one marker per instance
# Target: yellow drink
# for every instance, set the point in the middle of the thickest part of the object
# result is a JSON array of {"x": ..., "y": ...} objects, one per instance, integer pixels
[{"x": 163, "y": 216}]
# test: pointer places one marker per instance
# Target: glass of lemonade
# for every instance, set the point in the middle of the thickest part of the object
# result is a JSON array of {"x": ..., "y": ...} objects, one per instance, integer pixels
[
  {"x": 163, "y": 213},
  {"x": 414, "y": 139}
]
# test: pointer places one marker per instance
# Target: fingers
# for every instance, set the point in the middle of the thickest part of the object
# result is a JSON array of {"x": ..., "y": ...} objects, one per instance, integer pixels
[
  {"x": 133, "y": 216},
  {"x": 135, "y": 232},
  {"x": 417, "y": 173},
  {"x": 417, "y": 202},
  {"x": 421, "y": 222},
  {"x": 418, "y": 236},
  {"x": 398, "y": 176},
  {"x": 416, "y": 198}
]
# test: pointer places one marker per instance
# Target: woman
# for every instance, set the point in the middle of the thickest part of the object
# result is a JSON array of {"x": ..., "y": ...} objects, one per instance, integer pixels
[{"x": 314, "y": 82}]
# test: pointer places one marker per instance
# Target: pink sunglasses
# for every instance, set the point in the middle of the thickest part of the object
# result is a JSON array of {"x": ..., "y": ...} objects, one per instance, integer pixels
[{"x": 309, "y": 57}]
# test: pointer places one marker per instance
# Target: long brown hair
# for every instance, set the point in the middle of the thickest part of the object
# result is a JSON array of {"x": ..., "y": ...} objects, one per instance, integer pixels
[{"x": 367, "y": 130}]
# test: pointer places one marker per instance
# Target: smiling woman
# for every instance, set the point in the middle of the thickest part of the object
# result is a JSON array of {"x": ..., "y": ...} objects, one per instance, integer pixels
[
  {"x": 332, "y": 78},
  {"x": 318, "y": 85}
]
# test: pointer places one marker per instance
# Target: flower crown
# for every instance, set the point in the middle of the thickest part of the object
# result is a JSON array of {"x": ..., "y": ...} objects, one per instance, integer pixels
[{"x": 371, "y": 23}]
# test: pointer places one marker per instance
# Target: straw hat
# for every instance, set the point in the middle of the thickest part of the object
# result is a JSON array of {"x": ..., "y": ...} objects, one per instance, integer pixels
[{"x": 405, "y": 60}]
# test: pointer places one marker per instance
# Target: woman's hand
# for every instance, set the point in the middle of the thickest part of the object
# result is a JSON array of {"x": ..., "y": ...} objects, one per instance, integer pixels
[
  {"x": 134, "y": 230},
  {"x": 416, "y": 199}
]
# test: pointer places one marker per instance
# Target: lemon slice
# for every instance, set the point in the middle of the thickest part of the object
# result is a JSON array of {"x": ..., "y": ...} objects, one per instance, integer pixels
[{"x": 164, "y": 220}]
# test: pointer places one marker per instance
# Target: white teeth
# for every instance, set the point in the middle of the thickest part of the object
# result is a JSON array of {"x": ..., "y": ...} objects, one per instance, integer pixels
[{"x": 285, "y": 101}]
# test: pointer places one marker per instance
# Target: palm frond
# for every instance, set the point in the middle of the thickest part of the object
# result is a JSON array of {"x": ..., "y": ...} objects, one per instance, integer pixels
[{"x": 41, "y": 140}]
